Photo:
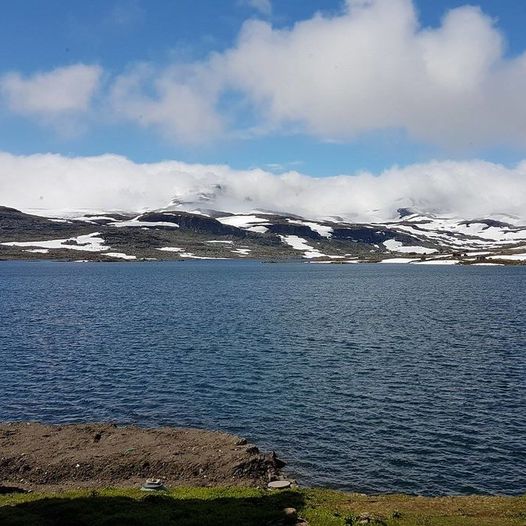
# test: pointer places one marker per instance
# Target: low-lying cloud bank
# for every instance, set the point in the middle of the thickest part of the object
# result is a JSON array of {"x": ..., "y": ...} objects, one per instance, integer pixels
[{"x": 468, "y": 189}]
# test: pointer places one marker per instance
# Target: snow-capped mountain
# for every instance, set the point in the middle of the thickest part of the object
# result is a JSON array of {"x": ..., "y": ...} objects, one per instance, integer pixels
[{"x": 188, "y": 228}]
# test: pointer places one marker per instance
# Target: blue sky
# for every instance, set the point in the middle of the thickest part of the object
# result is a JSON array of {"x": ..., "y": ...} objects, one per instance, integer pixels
[{"x": 174, "y": 40}]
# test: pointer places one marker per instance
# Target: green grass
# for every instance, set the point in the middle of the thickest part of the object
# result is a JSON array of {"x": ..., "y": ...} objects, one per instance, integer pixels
[{"x": 251, "y": 507}]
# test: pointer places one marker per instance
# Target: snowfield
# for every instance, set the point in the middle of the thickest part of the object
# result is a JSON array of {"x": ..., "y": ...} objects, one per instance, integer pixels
[
  {"x": 242, "y": 221},
  {"x": 86, "y": 243},
  {"x": 322, "y": 230},
  {"x": 119, "y": 255},
  {"x": 396, "y": 246},
  {"x": 298, "y": 243},
  {"x": 144, "y": 224}
]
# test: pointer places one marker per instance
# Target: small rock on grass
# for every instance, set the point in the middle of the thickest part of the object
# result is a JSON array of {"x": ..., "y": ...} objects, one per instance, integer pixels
[
  {"x": 291, "y": 515},
  {"x": 279, "y": 484}
]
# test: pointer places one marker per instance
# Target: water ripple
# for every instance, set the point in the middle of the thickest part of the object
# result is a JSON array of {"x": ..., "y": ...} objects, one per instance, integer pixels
[{"x": 363, "y": 378}]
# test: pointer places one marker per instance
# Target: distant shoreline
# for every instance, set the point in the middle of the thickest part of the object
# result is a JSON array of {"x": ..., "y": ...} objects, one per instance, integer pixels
[{"x": 391, "y": 261}]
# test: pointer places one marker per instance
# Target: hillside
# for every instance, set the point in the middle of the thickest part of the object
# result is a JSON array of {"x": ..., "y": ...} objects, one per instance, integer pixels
[{"x": 178, "y": 234}]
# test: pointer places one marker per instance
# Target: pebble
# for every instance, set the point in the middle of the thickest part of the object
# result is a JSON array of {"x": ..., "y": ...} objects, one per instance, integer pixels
[
  {"x": 291, "y": 514},
  {"x": 153, "y": 485},
  {"x": 279, "y": 484}
]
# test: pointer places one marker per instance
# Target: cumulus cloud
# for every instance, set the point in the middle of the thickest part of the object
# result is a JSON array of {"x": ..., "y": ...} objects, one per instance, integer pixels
[
  {"x": 67, "y": 89},
  {"x": 372, "y": 66},
  {"x": 467, "y": 189},
  {"x": 182, "y": 104},
  {"x": 54, "y": 96}
]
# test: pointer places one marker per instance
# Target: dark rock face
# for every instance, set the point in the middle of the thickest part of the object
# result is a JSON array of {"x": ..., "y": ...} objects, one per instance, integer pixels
[
  {"x": 14, "y": 223},
  {"x": 404, "y": 212},
  {"x": 362, "y": 235},
  {"x": 373, "y": 235},
  {"x": 287, "y": 229},
  {"x": 488, "y": 223},
  {"x": 196, "y": 223}
]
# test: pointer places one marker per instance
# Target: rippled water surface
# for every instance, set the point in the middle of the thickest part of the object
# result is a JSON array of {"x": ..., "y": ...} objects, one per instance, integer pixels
[{"x": 364, "y": 377}]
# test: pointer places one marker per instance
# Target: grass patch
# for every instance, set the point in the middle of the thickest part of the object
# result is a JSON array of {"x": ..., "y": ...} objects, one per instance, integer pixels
[{"x": 251, "y": 507}]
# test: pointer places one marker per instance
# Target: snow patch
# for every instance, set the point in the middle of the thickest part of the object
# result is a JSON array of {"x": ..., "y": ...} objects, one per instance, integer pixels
[
  {"x": 322, "y": 230},
  {"x": 241, "y": 251},
  {"x": 171, "y": 249},
  {"x": 437, "y": 262},
  {"x": 242, "y": 221},
  {"x": 119, "y": 255},
  {"x": 396, "y": 246},
  {"x": 398, "y": 260},
  {"x": 38, "y": 250},
  {"x": 86, "y": 243},
  {"x": 298, "y": 243},
  {"x": 144, "y": 224},
  {"x": 258, "y": 229}
]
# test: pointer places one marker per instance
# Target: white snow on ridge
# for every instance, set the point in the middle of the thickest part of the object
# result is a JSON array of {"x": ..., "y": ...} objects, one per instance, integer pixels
[
  {"x": 64, "y": 213},
  {"x": 396, "y": 246},
  {"x": 298, "y": 243},
  {"x": 147, "y": 224},
  {"x": 322, "y": 230},
  {"x": 90, "y": 219},
  {"x": 219, "y": 241},
  {"x": 171, "y": 249},
  {"x": 451, "y": 230},
  {"x": 258, "y": 229},
  {"x": 242, "y": 221},
  {"x": 38, "y": 250},
  {"x": 86, "y": 243}
]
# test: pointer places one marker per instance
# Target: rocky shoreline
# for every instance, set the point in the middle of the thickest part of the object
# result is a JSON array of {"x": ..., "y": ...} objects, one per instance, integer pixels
[{"x": 36, "y": 457}]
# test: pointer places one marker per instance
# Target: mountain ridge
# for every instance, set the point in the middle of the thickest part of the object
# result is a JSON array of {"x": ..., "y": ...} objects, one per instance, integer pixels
[{"x": 181, "y": 231}]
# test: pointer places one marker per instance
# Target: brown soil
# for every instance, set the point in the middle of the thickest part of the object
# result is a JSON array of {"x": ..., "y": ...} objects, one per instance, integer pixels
[{"x": 36, "y": 456}]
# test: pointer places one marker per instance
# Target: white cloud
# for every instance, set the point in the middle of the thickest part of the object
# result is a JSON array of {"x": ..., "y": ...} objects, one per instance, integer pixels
[
  {"x": 468, "y": 189},
  {"x": 369, "y": 67},
  {"x": 62, "y": 90},
  {"x": 181, "y": 106}
]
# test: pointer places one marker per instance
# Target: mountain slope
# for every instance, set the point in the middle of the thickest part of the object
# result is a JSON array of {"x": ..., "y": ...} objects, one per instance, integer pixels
[{"x": 176, "y": 233}]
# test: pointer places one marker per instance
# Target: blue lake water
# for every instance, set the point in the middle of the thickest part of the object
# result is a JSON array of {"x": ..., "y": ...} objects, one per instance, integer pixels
[{"x": 370, "y": 378}]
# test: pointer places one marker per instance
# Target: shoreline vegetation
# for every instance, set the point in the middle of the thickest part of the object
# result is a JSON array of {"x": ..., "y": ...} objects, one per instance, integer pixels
[{"x": 90, "y": 474}]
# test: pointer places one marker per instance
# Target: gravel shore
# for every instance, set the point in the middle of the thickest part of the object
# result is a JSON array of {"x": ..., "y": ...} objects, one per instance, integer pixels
[{"x": 36, "y": 456}]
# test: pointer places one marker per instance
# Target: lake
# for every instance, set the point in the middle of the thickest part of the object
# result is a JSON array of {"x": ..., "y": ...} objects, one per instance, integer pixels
[{"x": 371, "y": 378}]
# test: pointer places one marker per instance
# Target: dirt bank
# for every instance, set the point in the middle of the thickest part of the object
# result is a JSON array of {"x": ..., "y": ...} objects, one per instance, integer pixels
[{"x": 36, "y": 456}]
